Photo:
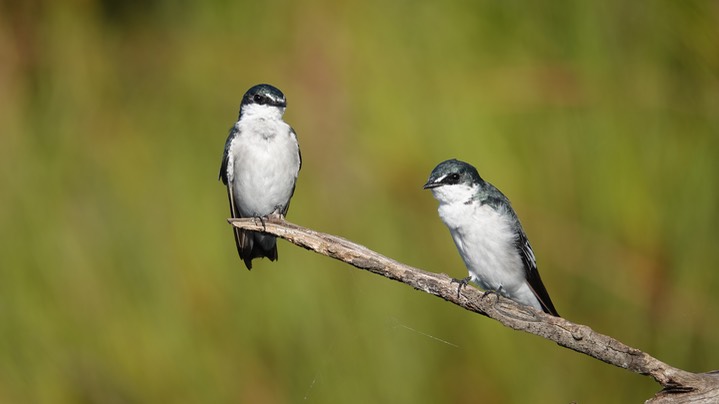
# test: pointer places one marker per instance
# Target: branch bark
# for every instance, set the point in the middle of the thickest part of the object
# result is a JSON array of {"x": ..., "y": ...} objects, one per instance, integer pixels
[{"x": 678, "y": 386}]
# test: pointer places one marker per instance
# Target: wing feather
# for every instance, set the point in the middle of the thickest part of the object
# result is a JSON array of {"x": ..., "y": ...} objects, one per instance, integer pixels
[{"x": 532, "y": 274}]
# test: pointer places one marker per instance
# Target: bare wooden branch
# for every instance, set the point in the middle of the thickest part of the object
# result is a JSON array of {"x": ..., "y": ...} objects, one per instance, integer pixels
[{"x": 678, "y": 385}]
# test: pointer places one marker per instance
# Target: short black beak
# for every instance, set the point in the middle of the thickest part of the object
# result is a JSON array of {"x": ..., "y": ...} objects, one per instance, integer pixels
[{"x": 430, "y": 185}]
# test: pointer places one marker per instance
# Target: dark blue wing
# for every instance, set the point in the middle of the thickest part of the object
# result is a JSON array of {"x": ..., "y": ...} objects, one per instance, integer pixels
[
  {"x": 225, "y": 155},
  {"x": 532, "y": 274},
  {"x": 299, "y": 155}
]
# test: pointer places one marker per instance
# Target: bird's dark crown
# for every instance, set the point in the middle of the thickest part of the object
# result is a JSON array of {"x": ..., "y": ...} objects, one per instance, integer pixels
[
  {"x": 264, "y": 94},
  {"x": 451, "y": 172}
]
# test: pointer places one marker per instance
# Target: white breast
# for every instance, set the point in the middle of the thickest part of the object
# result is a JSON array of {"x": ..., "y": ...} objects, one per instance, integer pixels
[
  {"x": 263, "y": 166},
  {"x": 485, "y": 240}
]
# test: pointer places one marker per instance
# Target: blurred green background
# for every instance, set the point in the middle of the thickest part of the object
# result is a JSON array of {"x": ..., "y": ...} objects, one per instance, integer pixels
[{"x": 119, "y": 279}]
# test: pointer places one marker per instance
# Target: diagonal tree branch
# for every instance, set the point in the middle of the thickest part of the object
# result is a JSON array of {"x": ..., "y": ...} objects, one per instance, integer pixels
[{"x": 678, "y": 385}]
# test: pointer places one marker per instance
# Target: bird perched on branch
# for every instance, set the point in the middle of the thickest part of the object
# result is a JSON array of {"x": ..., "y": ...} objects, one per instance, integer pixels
[
  {"x": 260, "y": 165},
  {"x": 488, "y": 235}
]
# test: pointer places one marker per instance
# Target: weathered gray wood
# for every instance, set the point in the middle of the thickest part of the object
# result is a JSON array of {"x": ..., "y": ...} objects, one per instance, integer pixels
[{"x": 679, "y": 386}]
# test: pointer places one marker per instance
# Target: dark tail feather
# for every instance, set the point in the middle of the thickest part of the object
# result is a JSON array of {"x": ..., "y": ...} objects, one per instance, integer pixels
[
  {"x": 548, "y": 307},
  {"x": 249, "y": 248},
  {"x": 540, "y": 292}
]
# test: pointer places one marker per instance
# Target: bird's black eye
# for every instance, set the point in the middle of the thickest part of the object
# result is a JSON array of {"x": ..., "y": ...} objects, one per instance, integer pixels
[
  {"x": 257, "y": 98},
  {"x": 454, "y": 177}
]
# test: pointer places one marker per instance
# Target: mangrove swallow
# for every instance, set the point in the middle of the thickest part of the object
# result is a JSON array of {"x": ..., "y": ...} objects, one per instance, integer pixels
[
  {"x": 260, "y": 165},
  {"x": 488, "y": 235}
]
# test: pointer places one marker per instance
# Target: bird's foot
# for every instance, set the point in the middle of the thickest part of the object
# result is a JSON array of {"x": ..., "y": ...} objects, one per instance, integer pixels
[
  {"x": 499, "y": 292},
  {"x": 462, "y": 283},
  {"x": 261, "y": 219},
  {"x": 276, "y": 216},
  {"x": 489, "y": 292}
]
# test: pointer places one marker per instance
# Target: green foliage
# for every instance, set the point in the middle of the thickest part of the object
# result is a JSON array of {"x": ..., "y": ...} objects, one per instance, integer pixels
[{"x": 119, "y": 280}]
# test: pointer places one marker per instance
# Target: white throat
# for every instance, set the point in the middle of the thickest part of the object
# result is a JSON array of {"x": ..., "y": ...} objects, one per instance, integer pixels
[
  {"x": 257, "y": 111},
  {"x": 453, "y": 194}
]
